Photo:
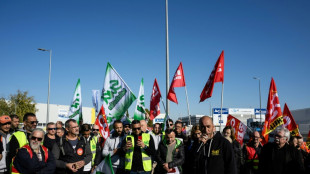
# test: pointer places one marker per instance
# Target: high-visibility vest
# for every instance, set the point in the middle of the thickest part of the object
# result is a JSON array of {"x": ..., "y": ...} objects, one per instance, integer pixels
[
  {"x": 21, "y": 138},
  {"x": 45, "y": 150},
  {"x": 252, "y": 156},
  {"x": 146, "y": 159},
  {"x": 93, "y": 145}
]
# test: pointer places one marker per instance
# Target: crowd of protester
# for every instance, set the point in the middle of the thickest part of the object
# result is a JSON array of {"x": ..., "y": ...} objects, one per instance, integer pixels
[{"x": 134, "y": 149}]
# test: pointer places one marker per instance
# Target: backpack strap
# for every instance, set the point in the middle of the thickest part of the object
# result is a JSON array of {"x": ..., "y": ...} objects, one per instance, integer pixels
[{"x": 61, "y": 146}]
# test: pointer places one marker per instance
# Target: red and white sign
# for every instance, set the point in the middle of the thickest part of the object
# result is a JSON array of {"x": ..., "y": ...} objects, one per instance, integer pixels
[
  {"x": 101, "y": 121},
  {"x": 238, "y": 126}
]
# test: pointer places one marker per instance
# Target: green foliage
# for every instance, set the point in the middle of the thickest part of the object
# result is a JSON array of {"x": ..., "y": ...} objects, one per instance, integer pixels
[{"x": 18, "y": 104}]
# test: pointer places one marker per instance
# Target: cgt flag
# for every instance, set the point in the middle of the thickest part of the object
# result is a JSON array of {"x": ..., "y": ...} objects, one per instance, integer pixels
[
  {"x": 155, "y": 99},
  {"x": 75, "y": 111},
  {"x": 273, "y": 117},
  {"x": 178, "y": 81},
  {"x": 289, "y": 122},
  {"x": 217, "y": 75},
  {"x": 101, "y": 121},
  {"x": 238, "y": 126}
]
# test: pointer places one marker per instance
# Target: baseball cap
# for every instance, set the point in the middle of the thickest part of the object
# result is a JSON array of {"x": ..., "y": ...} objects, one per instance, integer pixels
[{"x": 5, "y": 119}]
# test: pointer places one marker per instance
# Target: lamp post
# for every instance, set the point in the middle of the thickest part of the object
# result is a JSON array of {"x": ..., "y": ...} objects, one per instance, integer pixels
[
  {"x": 260, "y": 100},
  {"x": 49, "y": 83}
]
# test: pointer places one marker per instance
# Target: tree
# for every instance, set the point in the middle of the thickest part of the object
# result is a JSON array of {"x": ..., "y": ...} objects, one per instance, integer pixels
[{"x": 18, "y": 104}]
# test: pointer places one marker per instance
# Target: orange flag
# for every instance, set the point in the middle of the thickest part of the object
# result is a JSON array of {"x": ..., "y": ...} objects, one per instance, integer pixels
[
  {"x": 308, "y": 140},
  {"x": 177, "y": 81},
  {"x": 273, "y": 117},
  {"x": 217, "y": 75},
  {"x": 289, "y": 122}
]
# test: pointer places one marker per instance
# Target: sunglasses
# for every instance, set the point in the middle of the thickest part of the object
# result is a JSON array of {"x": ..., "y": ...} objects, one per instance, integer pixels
[
  {"x": 51, "y": 128},
  {"x": 32, "y": 122},
  {"x": 138, "y": 128},
  {"x": 170, "y": 124},
  {"x": 36, "y": 138},
  {"x": 95, "y": 129}
]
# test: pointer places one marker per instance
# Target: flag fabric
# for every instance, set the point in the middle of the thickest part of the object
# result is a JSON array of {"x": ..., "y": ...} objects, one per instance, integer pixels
[
  {"x": 96, "y": 100},
  {"x": 75, "y": 110},
  {"x": 101, "y": 121},
  {"x": 155, "y": 99},
  {"x": 105, "y": 167},
  {"x": 177, "y": 81},
  {"x": 289, "y": 121},
  {"x": 308, "y": 140},
  {"x": 217, "y": 75},
  {"x": 140, "y": 107},
  {"x": 164, "y": 125},
  {"x": 273, "y": 117},
  {"x": 238, "y": 126},
  {"x": 116, "y": 95}
]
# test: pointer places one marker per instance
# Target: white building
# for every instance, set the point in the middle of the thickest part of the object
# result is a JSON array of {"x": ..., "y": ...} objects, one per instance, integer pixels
[{"x": 60, "y": 112}]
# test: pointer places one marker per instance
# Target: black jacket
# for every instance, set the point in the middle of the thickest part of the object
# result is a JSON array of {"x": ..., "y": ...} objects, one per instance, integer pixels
[
  {"x": 270, "y": 160},
  {"x": 81, "y": 152},
  {"x": 238, "y": 156},
  {"x": 216, "y": 157},
  {"x": 161, "y": 154},
  {"x": 31, "y": 165}
]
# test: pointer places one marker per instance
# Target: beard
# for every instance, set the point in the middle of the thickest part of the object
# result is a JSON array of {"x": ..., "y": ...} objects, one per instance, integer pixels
[{"x": 34, "y": 145}]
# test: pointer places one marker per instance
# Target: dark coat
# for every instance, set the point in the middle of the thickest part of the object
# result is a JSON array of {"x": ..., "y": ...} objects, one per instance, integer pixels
[
  {"x": 27, "y": 165},
  {"x": 216, "y": 157},
  {"x": 178, "y": 157},
  {"x": 238, "y": 156},
  {"x": 291, "y": 163}
]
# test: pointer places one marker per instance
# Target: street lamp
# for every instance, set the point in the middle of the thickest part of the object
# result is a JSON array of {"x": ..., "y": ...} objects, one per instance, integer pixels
[
  {"x": 49, "y": 83},
  {"x": 260, "y": 100}
]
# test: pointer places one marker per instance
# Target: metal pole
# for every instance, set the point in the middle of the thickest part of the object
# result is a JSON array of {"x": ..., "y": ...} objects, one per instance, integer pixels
[
  {"x": 49, "y": 87},
  {"x": 260, "y": 105},
  {"x": 188, "y": 111},
  {"x": 221, "y": 106},
  {"x": 167, "y": 60}
]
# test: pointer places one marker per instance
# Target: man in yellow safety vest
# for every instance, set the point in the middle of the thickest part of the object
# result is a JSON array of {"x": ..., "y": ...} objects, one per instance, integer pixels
[{"x": 139, "y": 148}]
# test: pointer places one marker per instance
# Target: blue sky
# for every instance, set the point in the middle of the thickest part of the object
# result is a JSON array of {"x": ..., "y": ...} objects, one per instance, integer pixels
[{"x": 260, "y": 38}]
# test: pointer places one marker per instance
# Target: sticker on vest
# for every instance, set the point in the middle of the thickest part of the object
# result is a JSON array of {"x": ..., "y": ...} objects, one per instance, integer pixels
[
  {"x": 79, "y": 151},
  {"x": 215, "y": 152}
]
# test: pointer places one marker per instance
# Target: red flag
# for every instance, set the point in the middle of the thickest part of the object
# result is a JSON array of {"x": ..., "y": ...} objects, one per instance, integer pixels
[
  {"x": 101, "y": 121},
  {"x": 273, "y": 117},
  {"x": 217, "y": 75},
  {"x": 289, "y": 122},
  {"x": 238, "y": 126},
  {"x": 178, "y": 81},
  {"x": 155, "y": 99}
]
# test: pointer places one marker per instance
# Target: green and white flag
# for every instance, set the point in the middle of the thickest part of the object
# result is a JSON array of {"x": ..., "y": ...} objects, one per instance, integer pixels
[
  {"x": 140, "y": 107},
  {"x": 75, "y": 111},
  {"x": 116, "y": 95},
  {"x": 105, "y": 167}
]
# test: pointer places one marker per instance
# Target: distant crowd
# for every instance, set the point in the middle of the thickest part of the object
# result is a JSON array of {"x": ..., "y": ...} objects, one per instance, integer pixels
[{"x": 72, "y": 148}]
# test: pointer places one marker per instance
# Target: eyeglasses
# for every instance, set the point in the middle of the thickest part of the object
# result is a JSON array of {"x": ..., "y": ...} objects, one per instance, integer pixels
[
  {"x": 32, "y": 122},
  {"x": 138, "y": 128},
  {"x": 279, "y": 136},
  {"x": 95, "y": 129},
  {"x": 126, "y": 126},
  {"x": 36, "y": 138},
  {"x": 51, "y": 128}
]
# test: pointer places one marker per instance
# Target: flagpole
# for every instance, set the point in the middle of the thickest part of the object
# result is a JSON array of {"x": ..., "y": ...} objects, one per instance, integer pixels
[
  {"x": 221, "y": 106},
  {"x": 188, "y": 111},
  {"x": 167, "y": 59}
]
